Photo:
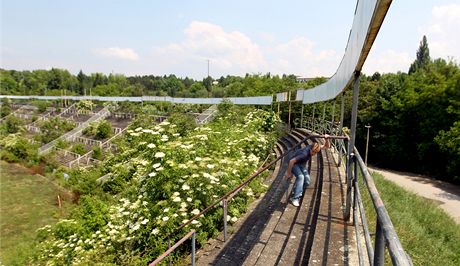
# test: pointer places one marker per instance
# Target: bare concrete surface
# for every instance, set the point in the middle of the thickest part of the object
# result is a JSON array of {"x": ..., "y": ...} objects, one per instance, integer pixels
[{"x": 447, "y": 195}]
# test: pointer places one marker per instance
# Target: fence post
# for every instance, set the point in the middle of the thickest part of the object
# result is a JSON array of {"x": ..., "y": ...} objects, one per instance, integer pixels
[
  {"x": 379, "y": 254},
  {"x": 225, "y": 219}
]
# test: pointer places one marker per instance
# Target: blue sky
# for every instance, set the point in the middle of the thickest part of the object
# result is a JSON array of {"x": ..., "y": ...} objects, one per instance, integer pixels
[{"x": 138, "y": 37}]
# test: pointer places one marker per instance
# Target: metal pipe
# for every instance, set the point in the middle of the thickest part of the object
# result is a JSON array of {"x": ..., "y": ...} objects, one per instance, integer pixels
[
  {"x": 171, "y": 249},
  {"x": 342, "y": 107},
  {"x": 313, "y": 118},
  {"x": 169, "y": 246},
  {"x": 351, "y": 143},
  {"x": 193, "y": 248},
  {"x": 324, "y": 114},
  {"x": 355, "y": 182},
  {"x": 367, "y": 236},
  {"x": 367, "y": 143},
  {"x": 301, "y": 116},
  {"x": 358, "y": 237},
  {"x": 379, "y": 255},
  {"x": 224, "y": 201}
]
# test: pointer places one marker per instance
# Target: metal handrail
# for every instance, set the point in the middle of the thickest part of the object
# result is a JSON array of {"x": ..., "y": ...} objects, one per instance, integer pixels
[
  {"x": 385, "y": 233},
  {"x": 176, "y": 245},
  {"x": 386, "y": 236}
]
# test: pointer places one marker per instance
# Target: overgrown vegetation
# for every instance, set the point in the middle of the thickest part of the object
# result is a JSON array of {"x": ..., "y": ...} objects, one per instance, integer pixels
[
  {"x": 16, "y": 148},
  {"x": 426, "y": 232},
  {"x": 161, "y": 176}
]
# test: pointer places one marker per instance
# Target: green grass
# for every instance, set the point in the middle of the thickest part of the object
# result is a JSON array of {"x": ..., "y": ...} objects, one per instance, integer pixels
[
  {"x": 427, "y": 233},
  {"x": 27, "y": 202}
]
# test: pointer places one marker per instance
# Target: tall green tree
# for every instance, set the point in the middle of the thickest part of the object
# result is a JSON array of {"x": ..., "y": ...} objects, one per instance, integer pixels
[{"x": 423, "y": 56}]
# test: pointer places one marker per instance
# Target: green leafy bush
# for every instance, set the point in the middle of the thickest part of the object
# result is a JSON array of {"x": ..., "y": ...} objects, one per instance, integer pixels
[
  {"x": 184, "y": 122},
  {"x": 13, "y": 124},
  {"x": 104, "y": 130},
  {"x": 97, "y": 152},
  {"x": 91, "y": 129},
  {"x": 5, "y": 108},
  {"x": 15, "y": 148},
  {"x": 54, "y": 127},
  {"x": 79, "y": 148}
]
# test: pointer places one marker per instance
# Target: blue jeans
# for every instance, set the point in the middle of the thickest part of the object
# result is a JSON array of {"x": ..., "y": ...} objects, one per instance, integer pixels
[{"x": 302, "y": 180}]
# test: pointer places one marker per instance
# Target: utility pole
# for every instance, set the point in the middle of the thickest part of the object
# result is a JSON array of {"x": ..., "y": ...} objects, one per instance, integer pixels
[
  {"x": 367, "y": 142},
  {"x": 209, "y": 82}
]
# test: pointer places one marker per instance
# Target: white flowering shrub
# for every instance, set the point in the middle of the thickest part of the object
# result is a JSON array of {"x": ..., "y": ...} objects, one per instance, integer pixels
[{"x": 160, "y": 180}]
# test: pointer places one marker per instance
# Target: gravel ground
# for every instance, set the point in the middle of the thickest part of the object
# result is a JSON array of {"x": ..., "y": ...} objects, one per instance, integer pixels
[{"x": 447, "y": 195}]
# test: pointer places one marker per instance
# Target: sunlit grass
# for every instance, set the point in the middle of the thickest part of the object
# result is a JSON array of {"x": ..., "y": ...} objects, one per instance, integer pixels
[
  {"x": 427, "y": 233},
  {"x": 27, "y": 202}
]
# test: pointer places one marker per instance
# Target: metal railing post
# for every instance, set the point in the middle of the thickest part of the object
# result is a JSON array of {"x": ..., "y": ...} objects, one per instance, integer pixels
[
  {"x": 324, "y": 118},
  {"x": 313, "y": 118},
  {"x": 301, "y": 116},
  {"x": 341, "y": 126},
  {"x": 379, "y": 250},
  {"x": 224, "y": 201},
  {"x": 355, "y": 184},
  {"x": 193, "y": 248},
  {"x": 169, "y": 246},
  {"x": 351, "y": 143}
]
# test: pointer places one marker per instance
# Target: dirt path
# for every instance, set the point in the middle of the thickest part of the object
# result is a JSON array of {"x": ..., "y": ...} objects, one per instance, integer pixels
[{"x": 447, "y": 195}]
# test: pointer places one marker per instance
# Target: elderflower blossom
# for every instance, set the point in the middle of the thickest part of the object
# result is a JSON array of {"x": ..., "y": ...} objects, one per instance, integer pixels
[
  {"x": 177, "y": 199},
  {"x": 159, "y": 155}
]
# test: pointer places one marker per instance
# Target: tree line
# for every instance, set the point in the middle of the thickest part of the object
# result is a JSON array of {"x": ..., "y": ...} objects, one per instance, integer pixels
[{"x": 61, "y": 82}]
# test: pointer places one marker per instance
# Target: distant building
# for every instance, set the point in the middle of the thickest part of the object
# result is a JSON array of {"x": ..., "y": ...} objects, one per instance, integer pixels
[{"x": 301, "y": 79}]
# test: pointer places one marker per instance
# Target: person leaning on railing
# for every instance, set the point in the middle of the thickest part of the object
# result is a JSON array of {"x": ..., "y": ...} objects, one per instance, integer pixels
[{"x": 297, "y": 165}]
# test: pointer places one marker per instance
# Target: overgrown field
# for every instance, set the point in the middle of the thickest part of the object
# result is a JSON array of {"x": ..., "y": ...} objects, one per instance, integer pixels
[{"x": 28, "y": 202}]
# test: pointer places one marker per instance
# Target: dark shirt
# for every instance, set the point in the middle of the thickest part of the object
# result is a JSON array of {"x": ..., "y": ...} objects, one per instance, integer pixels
[{"x": 303, "y": 155}]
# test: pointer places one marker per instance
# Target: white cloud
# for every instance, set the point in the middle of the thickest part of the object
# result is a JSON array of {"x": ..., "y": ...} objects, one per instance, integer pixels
[
  {"x": 234, "y": 53},
  {"x": 388, "y": 61},
  {"x": 442, "y": 31},
  {"x": 117, "y": 52},
  {"x": 228, "y": 52},
  {"x": 298, "y": 56}
]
